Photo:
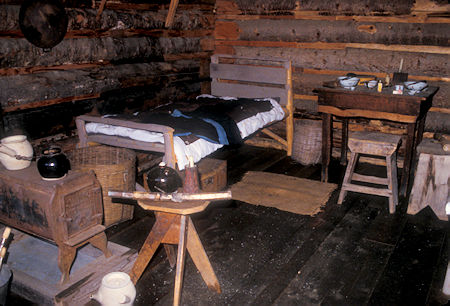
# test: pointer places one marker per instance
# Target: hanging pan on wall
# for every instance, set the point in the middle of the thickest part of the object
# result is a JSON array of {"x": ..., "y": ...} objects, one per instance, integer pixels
[{"x": 43, "y": 22}]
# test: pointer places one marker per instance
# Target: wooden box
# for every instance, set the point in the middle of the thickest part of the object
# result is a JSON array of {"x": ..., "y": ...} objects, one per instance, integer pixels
[{"x": 212, "y": 174}]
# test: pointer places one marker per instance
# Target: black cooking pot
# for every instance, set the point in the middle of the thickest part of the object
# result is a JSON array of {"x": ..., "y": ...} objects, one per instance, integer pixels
[
  {"x": 43, "y": 22},
  {"x": 53, "y": 164}
]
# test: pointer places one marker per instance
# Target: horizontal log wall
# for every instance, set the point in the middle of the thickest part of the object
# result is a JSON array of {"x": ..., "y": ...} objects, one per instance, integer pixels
[
  {"x": 125, "y": 60},
  {"x": 325, "y": 40}
]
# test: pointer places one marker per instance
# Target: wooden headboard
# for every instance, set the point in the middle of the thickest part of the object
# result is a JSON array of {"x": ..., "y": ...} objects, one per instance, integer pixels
[{"x": 243, "y": 77}]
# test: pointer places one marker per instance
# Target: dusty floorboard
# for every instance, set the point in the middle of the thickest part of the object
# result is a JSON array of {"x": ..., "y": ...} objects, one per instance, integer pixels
[{"x": 350, "y": 254}]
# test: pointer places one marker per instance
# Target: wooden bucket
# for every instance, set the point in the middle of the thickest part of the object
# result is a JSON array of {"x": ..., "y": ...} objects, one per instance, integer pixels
[{"x": 115, "y": 169}]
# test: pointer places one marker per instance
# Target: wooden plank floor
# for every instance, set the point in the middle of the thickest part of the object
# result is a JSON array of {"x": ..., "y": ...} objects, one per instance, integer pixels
[{"x": 352, "y": 254}]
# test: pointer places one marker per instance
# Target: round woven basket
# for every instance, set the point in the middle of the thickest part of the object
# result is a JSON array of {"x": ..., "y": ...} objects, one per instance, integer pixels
[
  {"x": 307, "y": 145},
  {"x": 115, "y": 169}
]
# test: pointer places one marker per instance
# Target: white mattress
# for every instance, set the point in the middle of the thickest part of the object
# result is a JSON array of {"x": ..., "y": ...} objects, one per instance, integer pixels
[{"x": 198, "y": 149}]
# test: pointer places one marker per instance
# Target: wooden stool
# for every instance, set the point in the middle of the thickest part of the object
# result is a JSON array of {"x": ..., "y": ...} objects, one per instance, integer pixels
[
  {"x": 377, "y": 144},
  {"x": 174, "y": 226}
]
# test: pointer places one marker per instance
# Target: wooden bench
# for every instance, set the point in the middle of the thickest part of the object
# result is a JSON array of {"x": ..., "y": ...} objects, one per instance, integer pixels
[{"x": 378, "y": 144}]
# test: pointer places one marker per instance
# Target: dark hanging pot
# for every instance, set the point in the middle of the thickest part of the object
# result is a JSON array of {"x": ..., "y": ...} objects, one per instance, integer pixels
[
  {"x": 53, "y": 164},
  {"x": 43, "y": 22}
]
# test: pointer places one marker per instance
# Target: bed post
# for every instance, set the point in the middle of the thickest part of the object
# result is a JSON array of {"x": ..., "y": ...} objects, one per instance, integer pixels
[
  {"x": 290, "y": 108},
  {"x": 169, "y": 151},
  {"x": 82, "y": 135}
]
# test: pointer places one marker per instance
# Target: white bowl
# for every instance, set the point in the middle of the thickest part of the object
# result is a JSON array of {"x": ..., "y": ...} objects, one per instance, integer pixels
[
  {"x": 348, "y": 81},
  {"x": 416, "y": 86},
  {"x": 372, "y": 84}
]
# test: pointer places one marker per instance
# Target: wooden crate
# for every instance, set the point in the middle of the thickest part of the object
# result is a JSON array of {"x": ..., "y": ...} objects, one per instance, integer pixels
[{"x": 213, "y": 174}]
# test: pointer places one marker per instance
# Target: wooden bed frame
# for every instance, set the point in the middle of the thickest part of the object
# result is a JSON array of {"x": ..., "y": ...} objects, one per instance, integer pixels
[{"x": 231, "y": 76}]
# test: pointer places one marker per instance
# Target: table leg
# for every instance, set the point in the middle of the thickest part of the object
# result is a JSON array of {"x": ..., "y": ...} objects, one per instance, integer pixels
[
  {"x": 180, "y": 261},
  {"x": 327, "y": 122},
  {"x": 420, "y": 128},
  {"x": 344, "y": 141},
  {"x": 170, "y": 252},
  {"x": 409, "y": 148}
]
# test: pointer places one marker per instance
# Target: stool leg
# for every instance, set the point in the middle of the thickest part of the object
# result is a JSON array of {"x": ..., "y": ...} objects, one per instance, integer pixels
[
  {"x": 391, "y": 166},
  {"x": 348, "y": 176}
]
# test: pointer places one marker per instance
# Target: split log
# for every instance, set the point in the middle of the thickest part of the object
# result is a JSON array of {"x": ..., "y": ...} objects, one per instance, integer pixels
[
  {"x": 21, "y": 53},
  {"x": 336, "y": 46},
  {"x": 335, "y": 32},
  {"x": 159, "y": 6},
  {"x": 350, "y": 59},
  {"x": 85, "y": 19},
  {"x": 342, "y": 7},
  {"x": 423, "y": 17},
  {"x": 121, "y": 33},
  {"x": 18, "y": 91}
]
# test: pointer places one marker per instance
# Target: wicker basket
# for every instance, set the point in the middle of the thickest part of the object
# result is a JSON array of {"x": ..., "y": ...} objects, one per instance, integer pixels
[
  {"x": 307, "y": 146},
  {"x": 115, "y": 168}
]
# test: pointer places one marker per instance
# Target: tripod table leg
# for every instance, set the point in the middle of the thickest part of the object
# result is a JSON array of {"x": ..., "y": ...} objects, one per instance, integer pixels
[
  {"x": 200, "y": 259},
  {"x": 180, "y": 260},
  {"x": 154, "y": 239}
]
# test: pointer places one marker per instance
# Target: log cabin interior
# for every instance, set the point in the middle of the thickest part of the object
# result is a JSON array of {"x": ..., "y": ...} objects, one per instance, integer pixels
[{"x": 283, "y": 223}]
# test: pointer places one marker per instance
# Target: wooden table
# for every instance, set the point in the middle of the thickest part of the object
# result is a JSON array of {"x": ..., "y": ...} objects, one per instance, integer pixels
[
  {"x": 174, "y": 226},
  {"x": 368, "y": 103}
]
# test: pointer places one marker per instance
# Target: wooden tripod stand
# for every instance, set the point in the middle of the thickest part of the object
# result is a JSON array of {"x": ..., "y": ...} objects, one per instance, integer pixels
[{"x": 174, "y": 226}]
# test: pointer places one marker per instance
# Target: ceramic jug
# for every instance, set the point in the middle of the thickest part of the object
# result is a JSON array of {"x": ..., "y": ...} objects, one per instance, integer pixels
[
  {"x": 16, "y": 152},
  {"x": 116, "y": 289}
]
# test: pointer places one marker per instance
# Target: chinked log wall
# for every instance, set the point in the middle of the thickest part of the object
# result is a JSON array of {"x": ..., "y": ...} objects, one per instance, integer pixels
[
  {"x": 126, "y": 59},
  {"x": 327, "y": 39}
]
